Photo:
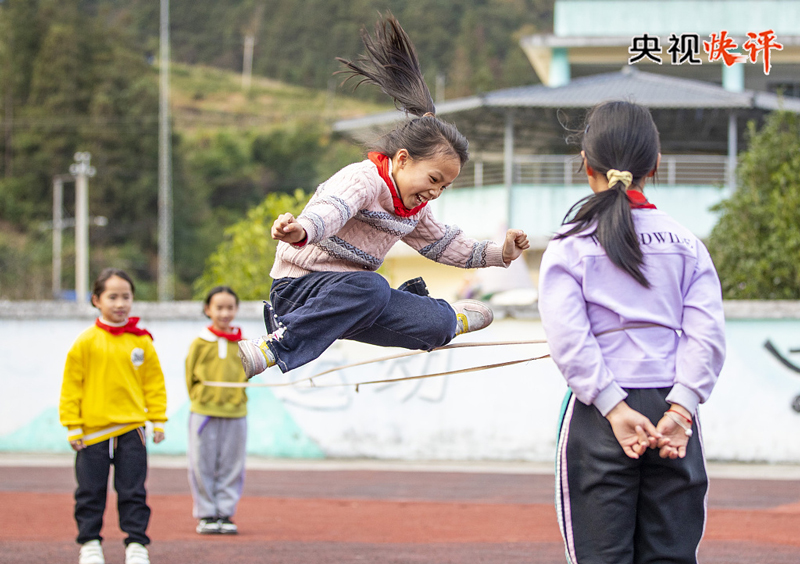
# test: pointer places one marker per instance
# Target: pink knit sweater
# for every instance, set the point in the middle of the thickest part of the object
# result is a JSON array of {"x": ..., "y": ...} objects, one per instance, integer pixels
[{"x": 351, "y": 225}]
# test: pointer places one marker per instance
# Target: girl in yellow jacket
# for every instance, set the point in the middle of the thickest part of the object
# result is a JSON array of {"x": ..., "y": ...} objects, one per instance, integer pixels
[
  {"x": 112, "y": 385},
  {"x": 217, "y": 421}
]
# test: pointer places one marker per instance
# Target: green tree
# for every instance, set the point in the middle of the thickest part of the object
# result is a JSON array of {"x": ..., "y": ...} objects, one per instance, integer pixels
[
  {"x": 756, "y": 243},
  {"x": 244, "y": 258}
]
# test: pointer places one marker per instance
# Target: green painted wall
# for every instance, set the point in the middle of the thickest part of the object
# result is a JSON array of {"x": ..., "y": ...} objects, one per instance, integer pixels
[{"x": 271, "y": 432}]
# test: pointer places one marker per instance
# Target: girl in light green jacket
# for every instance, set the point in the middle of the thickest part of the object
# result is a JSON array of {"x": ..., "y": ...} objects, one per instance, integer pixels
[{"x": 217, "y": 422}]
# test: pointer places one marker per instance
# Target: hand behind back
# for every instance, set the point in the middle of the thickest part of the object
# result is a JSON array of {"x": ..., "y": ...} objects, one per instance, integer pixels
[{"x": 634, "y": 432}]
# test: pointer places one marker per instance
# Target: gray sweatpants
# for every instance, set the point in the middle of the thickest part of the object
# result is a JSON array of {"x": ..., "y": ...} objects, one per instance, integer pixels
[{"x": 216, "y": 464}]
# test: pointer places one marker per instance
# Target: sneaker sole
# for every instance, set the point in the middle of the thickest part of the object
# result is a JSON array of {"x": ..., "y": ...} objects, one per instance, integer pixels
[{"x": 249, "y": 361}]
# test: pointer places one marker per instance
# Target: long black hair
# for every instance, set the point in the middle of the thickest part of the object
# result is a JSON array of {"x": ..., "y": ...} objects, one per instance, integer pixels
[
  {"x": 391, "y": 63},
  {"x": 623, "y": 136}
]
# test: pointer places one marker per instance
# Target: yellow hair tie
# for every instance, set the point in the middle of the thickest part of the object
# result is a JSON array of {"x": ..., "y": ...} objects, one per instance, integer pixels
[{"x": 615, "y": 176}]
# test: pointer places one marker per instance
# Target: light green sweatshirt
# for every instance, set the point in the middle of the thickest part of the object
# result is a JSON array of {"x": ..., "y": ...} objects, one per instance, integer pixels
[{"x": 215, "y": 359}]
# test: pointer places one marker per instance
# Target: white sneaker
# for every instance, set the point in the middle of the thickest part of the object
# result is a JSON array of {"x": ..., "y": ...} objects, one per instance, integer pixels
[
  {"x": 91, "y": 553},
  {"x": 135, "y": 553},
  {"x": 256, "y": 356},
  {"x": 472, "y": 315},
  {"x": 207, "y": 526}
]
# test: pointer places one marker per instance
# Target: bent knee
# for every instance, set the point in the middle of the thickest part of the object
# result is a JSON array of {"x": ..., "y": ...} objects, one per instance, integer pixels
[{"x": 372, "y": 288}]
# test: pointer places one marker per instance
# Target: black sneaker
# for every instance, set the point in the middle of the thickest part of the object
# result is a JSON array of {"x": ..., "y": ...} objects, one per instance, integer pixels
[{"x": 226, "y": 526}]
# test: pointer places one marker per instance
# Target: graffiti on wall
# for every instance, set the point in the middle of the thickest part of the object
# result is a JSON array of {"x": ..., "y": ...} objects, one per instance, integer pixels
[{"x": 788, "y": 364}]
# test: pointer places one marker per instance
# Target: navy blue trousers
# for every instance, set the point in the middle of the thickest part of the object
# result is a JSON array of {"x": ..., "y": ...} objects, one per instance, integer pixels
[
  {"x": 321, "y": 307},
  {"x": 92, "y": 465}
]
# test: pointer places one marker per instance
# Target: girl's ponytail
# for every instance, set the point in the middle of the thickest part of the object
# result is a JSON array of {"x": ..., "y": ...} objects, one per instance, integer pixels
[
  {"x": 610, "y": 212},
  {"x": 391, "y": 63},
  {"x": 621, "y": 136}
]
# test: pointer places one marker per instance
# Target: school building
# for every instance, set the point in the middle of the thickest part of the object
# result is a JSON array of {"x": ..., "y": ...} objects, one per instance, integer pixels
[{"x": 523, "y": 174}]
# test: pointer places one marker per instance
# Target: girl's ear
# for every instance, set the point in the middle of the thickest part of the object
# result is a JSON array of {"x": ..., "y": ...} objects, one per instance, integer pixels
[
  {"x": 658, "y": 164},
  {"x": 589, "y": 170},
  {"x": 94, "y": 301},
  {"x": 401, "y": 157}
]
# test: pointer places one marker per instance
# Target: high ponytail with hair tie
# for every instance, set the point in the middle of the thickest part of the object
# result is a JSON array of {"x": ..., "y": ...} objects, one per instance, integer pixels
[
  {"x": 620, "y": 140},
  {"x": 614, "y": 176}
]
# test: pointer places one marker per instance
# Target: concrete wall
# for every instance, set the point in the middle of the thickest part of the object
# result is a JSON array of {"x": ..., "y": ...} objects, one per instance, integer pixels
[{"x": 503, "y": 414}]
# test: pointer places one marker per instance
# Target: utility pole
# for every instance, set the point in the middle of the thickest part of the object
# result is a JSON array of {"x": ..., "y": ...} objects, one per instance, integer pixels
[
  {"x": 60, "y": 223},
  {"x": 250, "y": 32},
  {"x": 165, "y": 283},
  {"x": 247, "y": 64},
  {"x": 58, "y": 226},
  {"x": 8, "y": 103},
  {"x": 81, "y": 170},
  {"x": 440, "y": 78}
]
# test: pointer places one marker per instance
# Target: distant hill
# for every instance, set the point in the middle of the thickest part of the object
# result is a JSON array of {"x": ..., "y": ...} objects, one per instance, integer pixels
[{"x": 203, "y": 97}]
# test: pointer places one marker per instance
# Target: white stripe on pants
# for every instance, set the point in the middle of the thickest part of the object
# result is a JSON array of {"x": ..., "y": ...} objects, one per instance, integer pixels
[{"x": 216, "y": 464}]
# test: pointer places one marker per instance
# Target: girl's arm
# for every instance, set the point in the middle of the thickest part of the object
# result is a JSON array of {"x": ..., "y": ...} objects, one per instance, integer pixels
[
  {"x": 191, "y": 360},
  {"x": 334, "y": 203},
  {"x": 700, "y": 354},
  {"x": 448, "y": 245},
  {"x": 69, "y": 407},
  {"x": 701, "y": 348},
  {"x": 155, "y": 392},
  {"x": 573, "y": 346}
]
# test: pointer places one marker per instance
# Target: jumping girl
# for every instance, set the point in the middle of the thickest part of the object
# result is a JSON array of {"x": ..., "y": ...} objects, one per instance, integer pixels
[
  {"x": 632, "y": 308},
  {"x": 325, "y": 286}
]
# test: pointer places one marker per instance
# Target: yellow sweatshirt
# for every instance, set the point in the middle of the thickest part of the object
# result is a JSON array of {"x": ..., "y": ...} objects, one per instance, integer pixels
[
  {"x": 215, "y": 359},
  {"x": 112, "y": 385}
]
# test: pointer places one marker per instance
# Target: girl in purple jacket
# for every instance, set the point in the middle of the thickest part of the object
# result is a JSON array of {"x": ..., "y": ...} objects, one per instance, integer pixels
[{"x": 632, "y": 308}]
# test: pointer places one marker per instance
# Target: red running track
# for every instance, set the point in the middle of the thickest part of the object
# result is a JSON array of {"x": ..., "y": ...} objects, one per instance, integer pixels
[{"x": 357, "y": 516}]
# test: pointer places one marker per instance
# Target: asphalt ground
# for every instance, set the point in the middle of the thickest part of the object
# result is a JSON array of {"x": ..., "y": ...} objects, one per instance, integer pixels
[{"x": 325, "y": 512}]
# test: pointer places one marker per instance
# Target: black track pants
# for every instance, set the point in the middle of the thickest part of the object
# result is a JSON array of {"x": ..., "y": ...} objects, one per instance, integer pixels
[
  {"x": 92, "y": 465},
  {"x": 616, "y": 510}
]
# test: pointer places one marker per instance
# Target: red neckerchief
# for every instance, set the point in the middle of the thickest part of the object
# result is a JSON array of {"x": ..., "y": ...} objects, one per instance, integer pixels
[
  {"x": 638, "y": 201},
  {"x": 234, "y": 336},
  {"x": 382, "y": 162},
  {"x": 129, "y": 327}
]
